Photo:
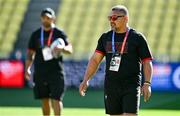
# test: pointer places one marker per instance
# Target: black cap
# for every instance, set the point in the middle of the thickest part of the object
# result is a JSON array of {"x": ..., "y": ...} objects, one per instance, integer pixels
[{"x": 48, "y": 12}]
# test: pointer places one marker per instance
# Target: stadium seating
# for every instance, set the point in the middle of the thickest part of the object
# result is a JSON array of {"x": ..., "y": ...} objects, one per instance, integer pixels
[
  {"x": 84, "y": 21},
  {"x": 158, "y": 20},
  {"x": 11, "y": 13}
]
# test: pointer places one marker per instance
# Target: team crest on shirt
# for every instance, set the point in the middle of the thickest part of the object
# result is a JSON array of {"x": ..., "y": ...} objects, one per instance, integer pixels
[{"x": 118, "y": 46}]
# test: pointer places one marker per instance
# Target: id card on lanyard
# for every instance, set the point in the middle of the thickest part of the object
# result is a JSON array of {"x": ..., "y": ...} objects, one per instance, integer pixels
[
  {"x": 116, "y": 57},
  {"x": 46, "y": 50}
]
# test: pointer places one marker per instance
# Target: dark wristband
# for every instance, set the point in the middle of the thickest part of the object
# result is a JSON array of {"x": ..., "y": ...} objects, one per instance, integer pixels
[{"x": 147, "y": 82}]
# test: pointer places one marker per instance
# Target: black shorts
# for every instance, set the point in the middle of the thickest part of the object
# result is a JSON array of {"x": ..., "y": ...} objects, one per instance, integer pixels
[
  {"x": 122, "y": 100},
  {"x": 49, "y": 86}
]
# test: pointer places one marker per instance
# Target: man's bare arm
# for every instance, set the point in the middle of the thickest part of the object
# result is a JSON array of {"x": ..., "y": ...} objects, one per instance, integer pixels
[
  {"x": 28, "y": 63},
  {"x": 90, "y": 71},
  {"x": 146, "y": 89}
]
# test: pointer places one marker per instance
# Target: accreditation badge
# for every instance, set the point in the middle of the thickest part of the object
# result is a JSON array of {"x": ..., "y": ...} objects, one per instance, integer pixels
[
  {"x": 47, "y": 53},
  {"x": 115, "y": 63}
]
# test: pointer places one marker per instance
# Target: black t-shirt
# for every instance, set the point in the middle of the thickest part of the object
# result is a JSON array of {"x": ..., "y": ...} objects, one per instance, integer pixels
[
  {"x": 136, "y": 50},
  {"x": 41, "y": 67}
]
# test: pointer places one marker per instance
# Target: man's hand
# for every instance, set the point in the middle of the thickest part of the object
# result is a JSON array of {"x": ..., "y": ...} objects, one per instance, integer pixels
[
  {"x": 27, "y": 74},
  {"x": 58, "y": 49},
  {"x": 83, "y": 87},
  {"x": 146, "y": 92}
]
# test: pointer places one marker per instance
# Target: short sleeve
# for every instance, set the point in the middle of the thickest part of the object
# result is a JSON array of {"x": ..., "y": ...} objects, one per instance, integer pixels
[
  {"x": 100, "y": 47},
  {"x": 32, "y": 44},
  {"x": 143, "y": 49},
  {"x": 65, "y": 38}
]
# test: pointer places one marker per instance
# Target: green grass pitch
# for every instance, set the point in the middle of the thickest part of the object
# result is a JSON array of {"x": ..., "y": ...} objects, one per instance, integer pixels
[
  {"x": 36, "y": 111},
  {"x": 20, "y": 102}
]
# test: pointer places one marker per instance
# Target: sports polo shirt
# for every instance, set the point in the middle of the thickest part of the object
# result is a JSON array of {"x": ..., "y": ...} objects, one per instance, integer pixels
[
  {"x": 42, "y": 67},
  {"x": 135, "y": 52}
]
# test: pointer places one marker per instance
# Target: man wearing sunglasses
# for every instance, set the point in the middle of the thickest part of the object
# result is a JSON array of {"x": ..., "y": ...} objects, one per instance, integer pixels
[{"x": 126, "y": 51}]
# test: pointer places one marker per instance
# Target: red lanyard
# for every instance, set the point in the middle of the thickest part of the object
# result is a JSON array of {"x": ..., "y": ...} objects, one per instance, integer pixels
[
  {"x": 49, "y": 38},
  {"x": 123, "y": 44},
  {"x": 124, "y": 41}
]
